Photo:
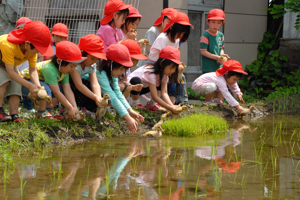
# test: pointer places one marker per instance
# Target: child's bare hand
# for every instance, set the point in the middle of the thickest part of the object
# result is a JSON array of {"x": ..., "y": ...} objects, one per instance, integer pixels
[
  {"x": 241, "y": 99},
  {"x": 131, "y": 35},
  {"x": 132, "y": 124},
  {"x": 225, "y": 55},
  {"x": 240, "y": 109},
  {"x": 135, "y": 115},
  {"x": 32, "y": 89},
  {"x": 72, "y": 113},
  {"x": 98, "y": 102},
  {"x": 175, "y": 110}
]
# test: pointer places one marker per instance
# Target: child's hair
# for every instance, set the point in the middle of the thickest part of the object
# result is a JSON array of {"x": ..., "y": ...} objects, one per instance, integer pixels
[
  {"x": 159, "y": 67},
  {"x": 31, "y": 46},
  {"x": 178, "y": 29},
  {"x": 124, "y": 12},
  {"x": 105, "y": 65},
  {"x": 54, "y": 61},
  {"x": 84, "y": 53},
  {"x": 130, "y": 20},
  {"x": 233, "y": 73}
]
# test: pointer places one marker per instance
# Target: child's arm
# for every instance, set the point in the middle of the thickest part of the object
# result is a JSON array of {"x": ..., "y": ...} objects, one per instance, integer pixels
[
  {"x": 34, "y": 76},
  {"x": 165, "y": 102},
  {"x": 209, "y": 55},
  {"x": 237, "y": 92},
  {"x": 86, "y": 91},
  {"x": 69, "y": 94}
]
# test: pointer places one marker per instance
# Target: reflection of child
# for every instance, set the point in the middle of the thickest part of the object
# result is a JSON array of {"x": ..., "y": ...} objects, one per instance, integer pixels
[
  {"x": 212, "y": 42},
  {"x": 216, "y": 82}
]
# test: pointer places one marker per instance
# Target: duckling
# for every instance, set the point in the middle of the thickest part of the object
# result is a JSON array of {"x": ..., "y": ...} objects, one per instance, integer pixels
[
  {"x": 78, "y": 116},
  {"x": 182, "y": 108},
  {"x": 101, "y": 111},
  {"x": 42, "y": 94},
  {"x": 181, "y": 68},
  {"x": 222, "y": 58},
  {"x": 247, "y": 111},
  {"x": 161, "y": 121},
  {"x": 157, "y": 133},
  {"x": 143, "y": 42}
]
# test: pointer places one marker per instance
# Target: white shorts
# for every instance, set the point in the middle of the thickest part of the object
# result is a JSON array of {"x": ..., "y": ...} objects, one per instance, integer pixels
[{"x": 207, "y": 88}]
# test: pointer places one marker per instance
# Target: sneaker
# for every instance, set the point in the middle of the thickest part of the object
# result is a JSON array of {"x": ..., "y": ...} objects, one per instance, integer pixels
[
  {"x": 153, "y": 107},
  {"x": 219, "y": 101},
  {"x": 46, "y": 115},
  {"x": 212, "y": 103},
  {"x": 137, "y": 105},
  {"x": 4, "y": 117},
  {"x": 58, "y": 116},
  {"x": 19, "y": 120}
]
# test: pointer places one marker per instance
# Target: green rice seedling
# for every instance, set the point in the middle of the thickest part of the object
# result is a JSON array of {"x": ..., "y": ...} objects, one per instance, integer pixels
[
  {"x": 79, "y": 188},
  {"x": 22, "y": 185},
  {"x": 170, "y": 192},
  {"x": 196, "y": 190},
  {"x": 195, "y": 125},
  {"x": 139, "y": 195},
  {"x": 88, "y": 172}
]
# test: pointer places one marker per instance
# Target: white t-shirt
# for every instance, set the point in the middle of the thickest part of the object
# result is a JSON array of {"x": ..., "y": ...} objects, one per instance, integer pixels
[
  {"x": 161, "y": 41},
  {"x": 146, "y": 76},
  {"x": 86, "y": 70}
]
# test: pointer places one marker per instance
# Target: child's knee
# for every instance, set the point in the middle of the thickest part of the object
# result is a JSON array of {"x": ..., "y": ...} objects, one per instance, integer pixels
[{"x": 128, "y": 89}]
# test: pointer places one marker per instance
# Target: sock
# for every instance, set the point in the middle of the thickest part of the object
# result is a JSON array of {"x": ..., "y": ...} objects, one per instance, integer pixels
[
  {"x": 41, "y": 111},
  {"x": 49, "y": 109},
  {"x": 14, "y": 117},
  {"x": 151, "y": 102}
]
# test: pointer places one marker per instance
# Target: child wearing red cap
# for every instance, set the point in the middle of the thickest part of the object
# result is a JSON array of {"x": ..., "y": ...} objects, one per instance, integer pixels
[
  {"x": 157, "y": 28},
  {"x": 155, "y": 77},
  {"x": 212, "y": 42},
  {"x": 136, "y": 55},
  {"x": 131, "y": 23},
  {"x": 54, "y": 76},
  {"x": 118, "y": 61},
  {"x": 17, "y": 47},
  {"x": 115, "y": 12},
  {"x": 59, "y": 33},
  {"x": 88, "y": 92},
  {"x": 217, "y": 82}
]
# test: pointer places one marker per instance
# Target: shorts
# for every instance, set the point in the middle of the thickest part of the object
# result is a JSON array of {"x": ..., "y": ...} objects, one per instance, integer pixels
[
  {"x": 172, "y": 89},
  {"x": 13, "y": 87},
  {"x": 207, "y": 88}
]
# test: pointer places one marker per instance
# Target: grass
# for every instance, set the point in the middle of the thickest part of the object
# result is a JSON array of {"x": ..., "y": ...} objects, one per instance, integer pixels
[{"x": 195, "y": 125}]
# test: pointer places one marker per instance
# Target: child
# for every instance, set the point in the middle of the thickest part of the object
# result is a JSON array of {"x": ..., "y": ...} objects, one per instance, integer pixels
[
  {"x": 136, "y": 55},
  {"x": 115, "y": 12},
  {"x": 55, "y": 74},
  {"x": 131, "y": 23},
  {"x": 157, "y": 28},
  {"x": 17, "y": 47},
  {"x": 21, "y": 22},
  {"x": 118, "y": 61},
  {"x": 154, "y": 76},
  {"x": 176, "y": 31},
  {"x": 88, "y": 92},
  {"x": 209, "y": 83},
  {"x": 212, "y": 42},
  {"x": 59, "y": 33}
]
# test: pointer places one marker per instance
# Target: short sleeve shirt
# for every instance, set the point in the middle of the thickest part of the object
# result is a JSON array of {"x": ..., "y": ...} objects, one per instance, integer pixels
[
  {"x": 109, "y": 35},
  {"x": 212, "y": 44},
  {"x": 11, "y": 54},
  {"x": 52, "y": 75},
  {"x": 161, "y": 41},
  {"x": 86, "y": 70}
]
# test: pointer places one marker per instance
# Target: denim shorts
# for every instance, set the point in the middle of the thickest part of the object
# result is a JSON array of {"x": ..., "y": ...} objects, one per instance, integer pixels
[{"x": 172, "y": 89}]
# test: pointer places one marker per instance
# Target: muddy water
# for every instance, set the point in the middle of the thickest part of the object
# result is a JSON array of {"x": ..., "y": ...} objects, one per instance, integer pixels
[{"x": 254, "y": 160}]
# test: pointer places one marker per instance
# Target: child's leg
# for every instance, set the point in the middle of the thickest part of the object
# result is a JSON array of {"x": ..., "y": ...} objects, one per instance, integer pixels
[
  {"x": 219, "y": 95},
  {"x": 2, "y": 92},
  {"x": 125, "y": 88},
  {"x": 13, "y": 102}
]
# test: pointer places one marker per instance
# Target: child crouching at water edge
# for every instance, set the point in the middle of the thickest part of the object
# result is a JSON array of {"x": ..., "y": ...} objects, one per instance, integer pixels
[
  {"x": 118, "y": 61},
  {"x": 155, "y": 77},
  {"x": 216, "y": 82}
]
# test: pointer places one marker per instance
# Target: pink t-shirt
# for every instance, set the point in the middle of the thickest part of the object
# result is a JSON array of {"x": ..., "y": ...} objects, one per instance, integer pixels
[
  {"x": 145, "y": 74},
  {"x": 221, "y": 83},
  {"x": 121, "y": 34},
  {"x": 161, "y": 41},
  {"x": 109, "y": 35}
]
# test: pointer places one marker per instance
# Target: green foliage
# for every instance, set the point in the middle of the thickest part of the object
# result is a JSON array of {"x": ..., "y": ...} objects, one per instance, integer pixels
[
  {"x": 193, "y": 95},
  {"x": 195, "y": 125},
  {"x": 293, "y": 6}
]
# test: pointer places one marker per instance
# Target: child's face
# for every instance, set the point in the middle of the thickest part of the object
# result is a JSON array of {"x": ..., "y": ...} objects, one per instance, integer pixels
[
  {"x": 119, "y": 20},
  {"x": 164, "y": 23},
  {"x": 90, "y": 60},
  {"x": 215, "y": 25},
  {"x": 179, "y": 35},
  {"x": 68, "y": 69},
  {"x": 169, "y": 70},
  {"x": 231, "y": 80},
  {"x": 30, "y": 50},
  {"x": 58, "y": 38},
  {"x": 134, "y": 61},
  {"x": 118, "y": 72},
  {"x": 133, "y": 25}
]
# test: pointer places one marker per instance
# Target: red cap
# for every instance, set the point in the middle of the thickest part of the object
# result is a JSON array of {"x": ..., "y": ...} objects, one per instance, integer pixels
[
  {"x": 92, "y": 44},
  {"x": 170, "y": 53},
  {"x": 68, "y": 51},
  {"x": 134, "y": 49},
  {"x": 22, "y": 21},
  {"x": 110, "y": 8},
  {"x": 120, "y": 54},
  {"x": 37, "y": 33},
  {"x": 169, "y": 12},
  {"x": 60, "y": 29},
  {"x": 133, "y": 12},
  {"x": 230, "y": 65},
  {"x": 216, "y": 14},
  {"x": 180, "y": 18}
]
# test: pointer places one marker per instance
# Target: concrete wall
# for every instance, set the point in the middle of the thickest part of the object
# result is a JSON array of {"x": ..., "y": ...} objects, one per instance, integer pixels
[{"x": 245, "y": 24}]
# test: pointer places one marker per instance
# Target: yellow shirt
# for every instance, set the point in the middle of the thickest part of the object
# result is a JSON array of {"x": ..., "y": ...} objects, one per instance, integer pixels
[
  {"x": 39, "y": 67},
  {"x": 11, "y": 54}
]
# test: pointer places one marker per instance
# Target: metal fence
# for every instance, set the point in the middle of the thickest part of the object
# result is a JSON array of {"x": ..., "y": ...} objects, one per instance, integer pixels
[{"x": 82, "y": 17}]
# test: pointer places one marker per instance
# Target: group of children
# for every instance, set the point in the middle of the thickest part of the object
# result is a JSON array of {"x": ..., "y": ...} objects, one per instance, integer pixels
[{"x": 78, "y": 75}]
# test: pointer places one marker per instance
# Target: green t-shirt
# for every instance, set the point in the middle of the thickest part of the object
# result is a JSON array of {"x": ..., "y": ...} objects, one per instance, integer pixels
[
  {"x": 213, "y": 44},
  {"x": 52, "y": 75}
]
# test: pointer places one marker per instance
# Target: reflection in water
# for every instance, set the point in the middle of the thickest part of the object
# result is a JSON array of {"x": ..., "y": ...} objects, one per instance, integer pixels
[{"x": 254, "y": 162}]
